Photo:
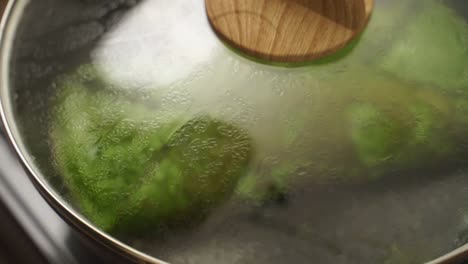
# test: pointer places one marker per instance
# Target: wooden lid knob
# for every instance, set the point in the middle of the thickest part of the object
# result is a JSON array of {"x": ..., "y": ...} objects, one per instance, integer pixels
[{"x": 288, "y": 30}]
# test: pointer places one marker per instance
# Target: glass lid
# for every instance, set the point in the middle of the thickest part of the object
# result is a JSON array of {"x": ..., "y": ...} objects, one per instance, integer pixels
[{"x": 161, "y": 132}]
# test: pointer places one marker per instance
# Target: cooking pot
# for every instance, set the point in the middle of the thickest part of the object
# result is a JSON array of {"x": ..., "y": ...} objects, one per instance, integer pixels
[{"x": 225, "y": 131}]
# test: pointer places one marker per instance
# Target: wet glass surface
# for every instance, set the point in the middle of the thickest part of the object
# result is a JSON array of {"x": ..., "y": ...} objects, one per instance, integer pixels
[{"x": 186, "y": 150}]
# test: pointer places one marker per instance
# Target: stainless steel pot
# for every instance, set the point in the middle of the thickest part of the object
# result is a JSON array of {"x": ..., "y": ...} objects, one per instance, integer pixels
[{"x": 356, "y": 158}]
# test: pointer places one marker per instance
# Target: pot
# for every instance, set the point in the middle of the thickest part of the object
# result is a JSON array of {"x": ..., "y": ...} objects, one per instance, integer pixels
[{"x": 154, "y": 129}]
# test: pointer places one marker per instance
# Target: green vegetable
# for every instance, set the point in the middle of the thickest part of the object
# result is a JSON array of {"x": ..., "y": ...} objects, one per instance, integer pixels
[
  {"x": 132, "y": 169},
  {"x": 431, "y": 49},
  {"x": 381, "y": 127},
  {"x": 377, "y": 136},
  {"x": 383, "y": 139}
]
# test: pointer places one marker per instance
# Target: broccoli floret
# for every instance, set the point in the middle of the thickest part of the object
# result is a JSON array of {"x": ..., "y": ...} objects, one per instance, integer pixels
[
  {"x": 431, "y": 50},
  {"x": 420, "y": 135},
  {"x": 130, "y": 170},
  {"x": 377, "y": 137}
]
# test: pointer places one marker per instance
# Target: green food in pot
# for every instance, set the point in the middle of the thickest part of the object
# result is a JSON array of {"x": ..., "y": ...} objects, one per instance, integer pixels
[
  {"x": 431, "y": 49},
  {"x": 381, "y": 128},
  {"x": 132, "y": 169},
  {"x": 385, "y": 139},
  {"x": 377, "y": 137}
]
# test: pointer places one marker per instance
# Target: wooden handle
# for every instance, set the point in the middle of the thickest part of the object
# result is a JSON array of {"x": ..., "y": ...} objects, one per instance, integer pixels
[{"x": 288, "y": 30}]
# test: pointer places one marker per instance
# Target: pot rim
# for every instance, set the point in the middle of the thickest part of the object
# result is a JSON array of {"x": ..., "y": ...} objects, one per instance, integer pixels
[{"x": 8, "y": 25}]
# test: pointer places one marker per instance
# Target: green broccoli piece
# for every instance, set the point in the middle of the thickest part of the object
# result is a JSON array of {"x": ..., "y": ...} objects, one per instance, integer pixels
[
  {"x": 431, "y": 133},
  {"x": 378, "y": 137},
  {"x": 431, "y": 50},
  {"x": 131, "y": 170},
  {"x": 382, "y": 140}
]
